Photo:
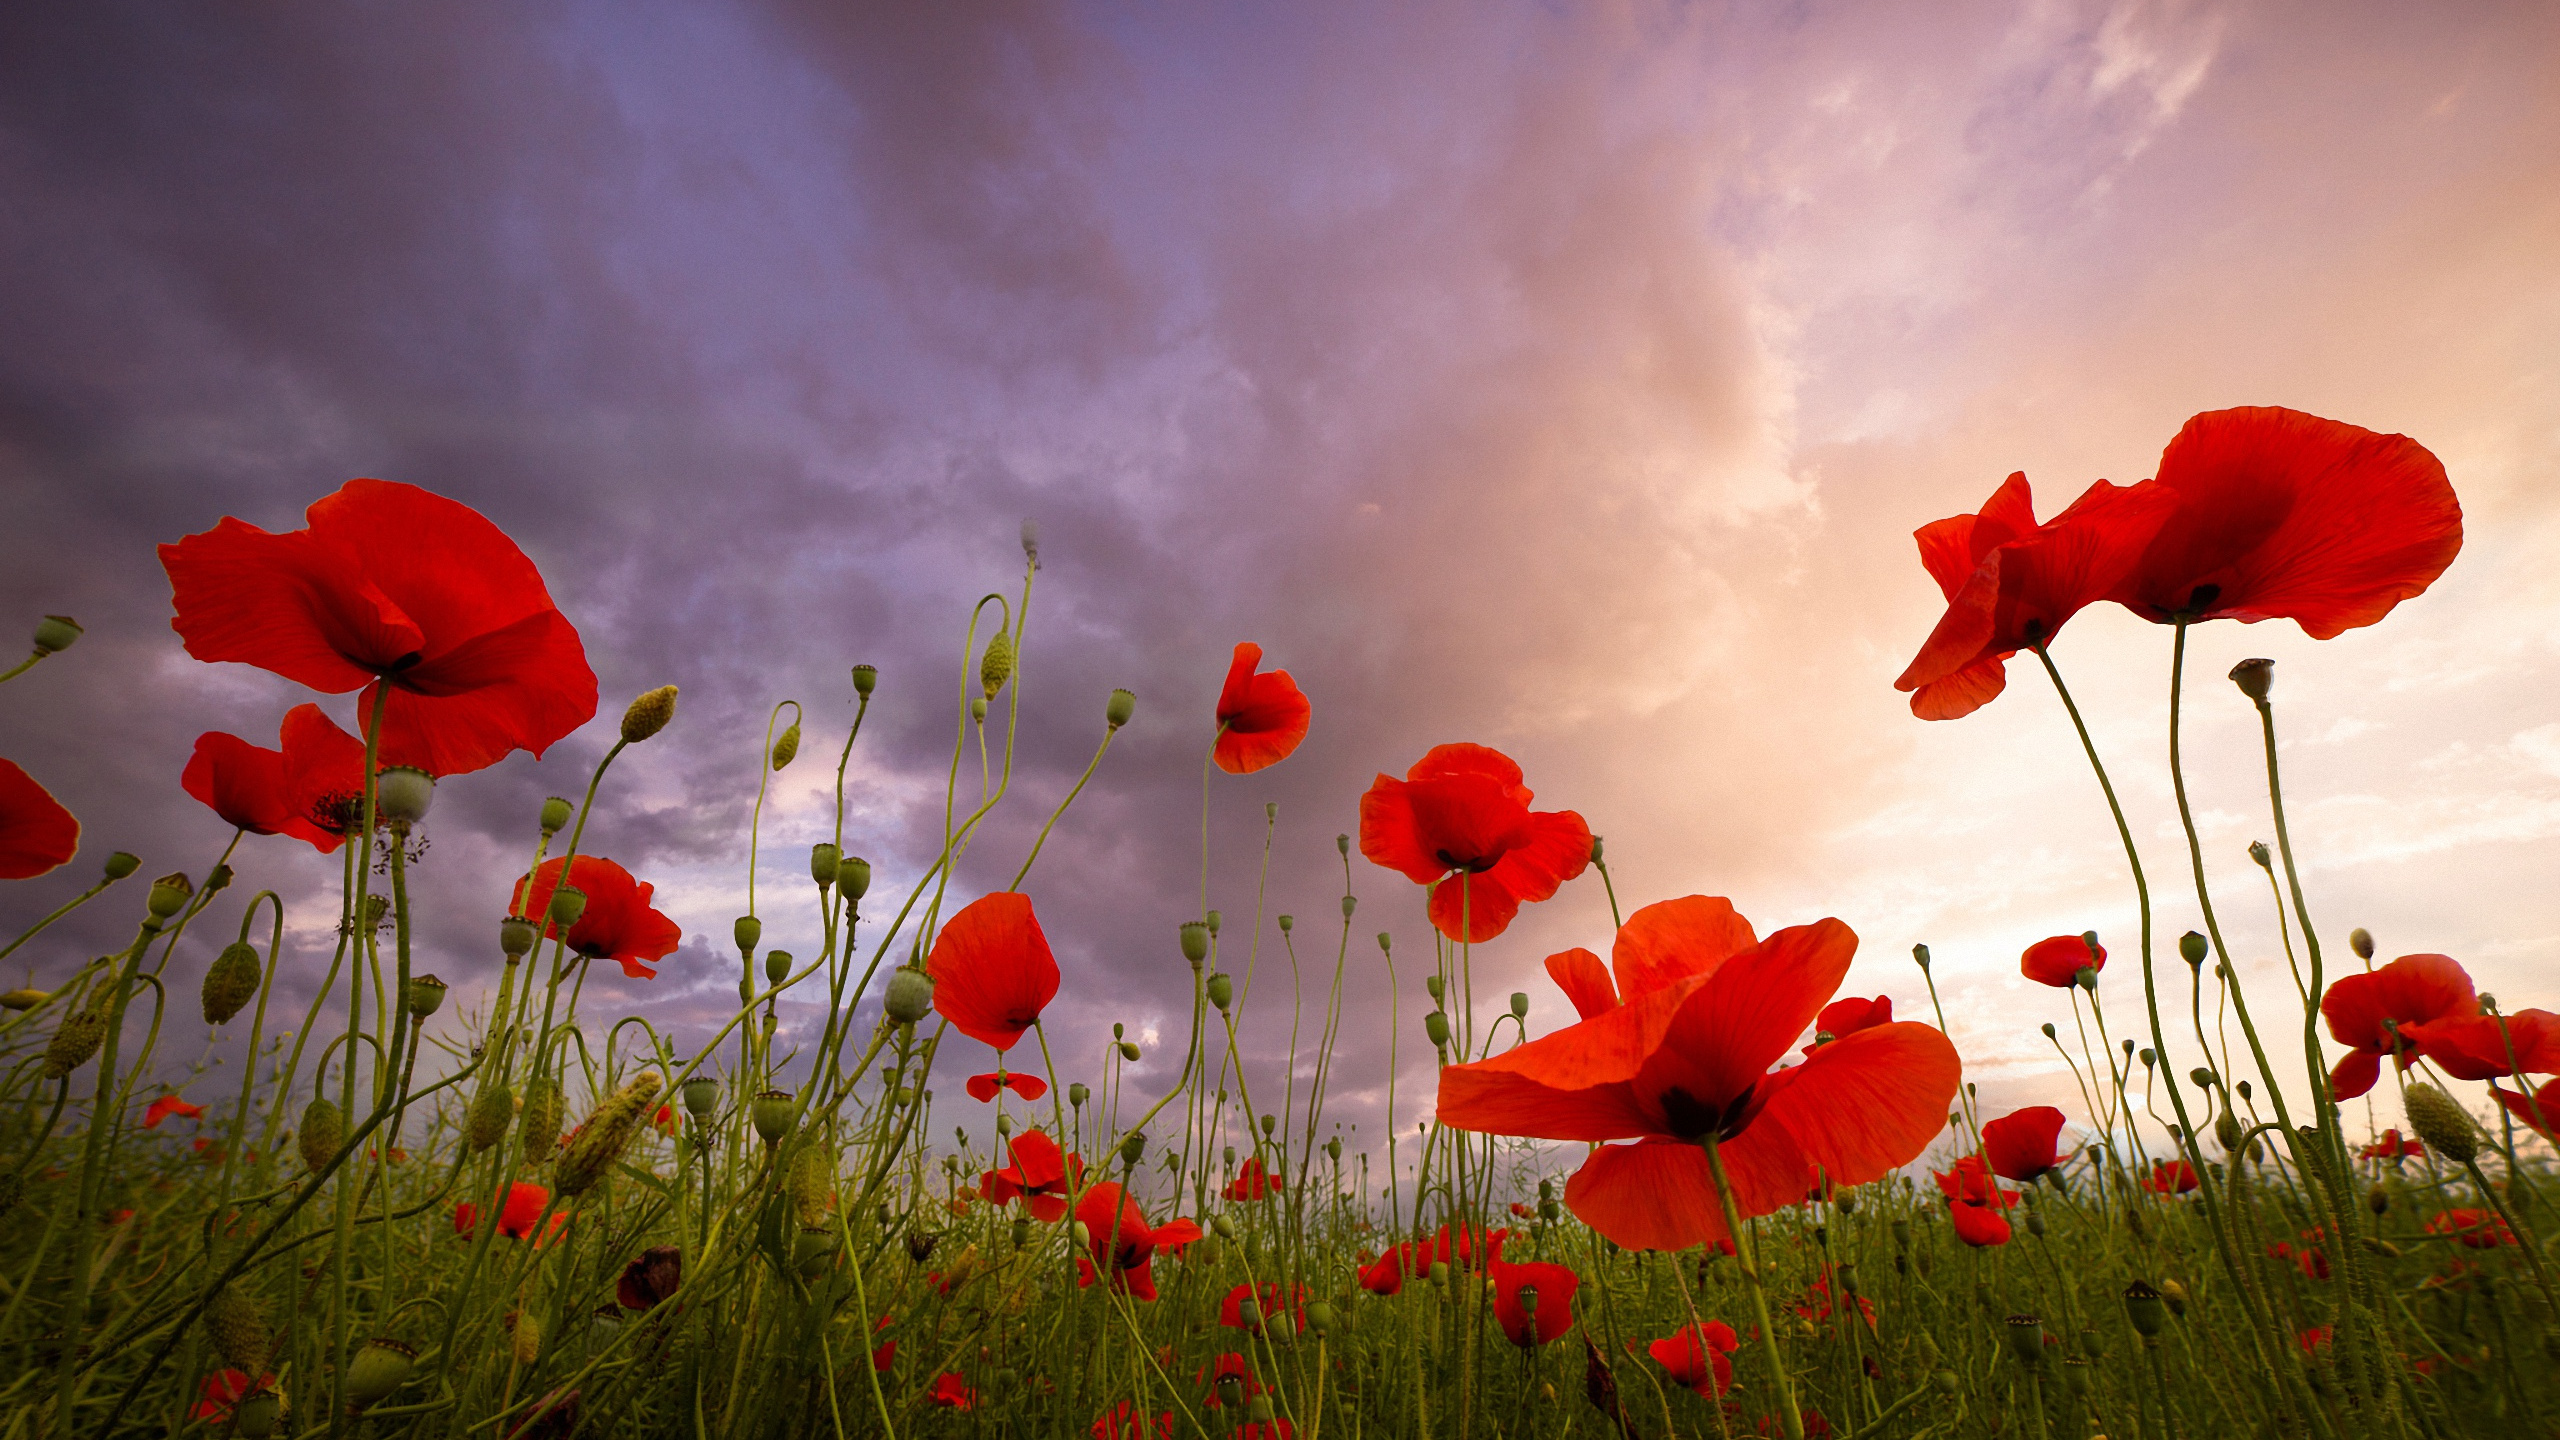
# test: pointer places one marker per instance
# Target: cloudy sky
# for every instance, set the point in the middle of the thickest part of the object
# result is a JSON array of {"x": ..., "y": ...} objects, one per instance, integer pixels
[{"x": 1565, "y": 378}]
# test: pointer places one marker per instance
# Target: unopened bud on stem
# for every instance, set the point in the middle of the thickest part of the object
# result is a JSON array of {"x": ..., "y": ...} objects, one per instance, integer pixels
[
  {"x": 56, "y": 633},
  {"x": 648, "y": 714}
]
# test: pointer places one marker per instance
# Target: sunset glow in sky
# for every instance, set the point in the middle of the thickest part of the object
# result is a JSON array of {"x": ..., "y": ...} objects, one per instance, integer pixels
[{"x": 1564, "y": 378}]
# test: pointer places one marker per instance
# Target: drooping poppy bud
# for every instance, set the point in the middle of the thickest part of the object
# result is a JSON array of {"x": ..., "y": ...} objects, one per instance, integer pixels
[
  {"x": 74, "y": 1041},
  {"x": 323, "y": 1133},
  {"x": 237, "y": 1330},
  {"x": 648, "y": 714},
  {"x": 56, "y": 633},
  {"x": 542, "y": 1106},
  {"x": 23, "y": 999},
  {"x": 231, "y": 982},
  {"x": 2360, "y": 940},
  {"x": 1117, "y": 710},
  {"x": 996, "y": 665},
  {"x": 485, "y": 1124},
  {"x": 524, "y": 1341},
  {"x": 601, "y": 1140},
  {"x": 786, "y": 746},
  {"x": 402, "y": 795},
  {"x": 811, "y": 1184},
  {"x": 910, "y": 996}
]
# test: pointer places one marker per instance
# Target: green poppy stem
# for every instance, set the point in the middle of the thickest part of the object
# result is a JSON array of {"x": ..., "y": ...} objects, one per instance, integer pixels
[{"x": 1752, "y": 1282}]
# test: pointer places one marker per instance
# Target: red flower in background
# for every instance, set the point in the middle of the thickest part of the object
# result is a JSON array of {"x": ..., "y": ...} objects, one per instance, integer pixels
[
  {"x": 1124, "y": 1241},
  {"x": 1268, "y": 1306},
  {"x": 2364, "y": 1010},
  {"x": 2170, "y": 1177},
  {"x": 1970, "y": 1183},
  {"x": 992, "y": 970},
  {"x": 525, "y": 1202},
  {"x": 2023, "y": 1144},
  {"x": 1460, "y": 822},
  {"x": 222, "y": 1392},
  {"x": 311, "y": 788},
  {"x": 2058, "y": 961},
  {"x": 2011, "y": 583},
  {"x": 1261, "y": 718},
  {"x": 1125, "y": 1421},
  {"x": 1253, "y": 1182},
  {"x": 1978, "y": 1226},
  {"x": 1848, "y": 1017},
  {"x": 618, "y": 923},
  {"x": 393, "y": 587},
  {"x": 2489, "y": 1047},
  {"x": 952, "y": 1393},
  {"x": 2475, "y": 1229},
  {"x": 36, "y": 833},
  {"x": 166, "y": 1106},
  {"x": 1385, "y": 1276},
  {"x": 1702, "y": 1012},
  {"x": 2283, "y": 515},
  {"x": 984, "y": 1087},
  {"x": 651, "y": 1279},
  {"x": 1533, "y": 1322},
  {"x": 2391, "y": 1147},
  {"x": 2539, "y": 1110},
  {"x": 1699, "y": 1357},
  {"x": 1039, "y": 1175},
  {"x": 1460, "y": 1247}
]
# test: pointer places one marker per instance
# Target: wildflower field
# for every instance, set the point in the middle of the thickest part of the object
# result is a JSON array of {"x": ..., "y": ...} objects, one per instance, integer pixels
[{"x": 1735, "y": 1197}]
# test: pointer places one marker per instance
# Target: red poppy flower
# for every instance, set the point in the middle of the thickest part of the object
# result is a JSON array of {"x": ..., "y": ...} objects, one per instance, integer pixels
[
  {"x": 311, "y": 788},
  {"x": 1125, "y": 1421},
  {"x": 2058, "y": 961},
  {"x": 1533, "y": 1321},
  {"x": 1385, "y": 1276},
  {"x": 1978, "y": 1225},
  {"x": 1686, "y": 1054},
  {"x": 2539, "y": 1110},
  {"x": 952, "y": 1393},
  {"x": 1699, "y": 1357},
  {"x": 2170, "y": 1177},
  {"x": 395, "y": 586},
  {"x": 1461, "y": 1248},
  {"x": 2311, "y": 1260},
  {"x": 984, "y": 1087},
  {"x": 2489, "y": 1047},
  {"x": 222, "y": 1392},
  {"x": 665, "y": 1120},
  {"x": 525, "y": 1202},
  {"x": 2392, "y": 1147},
  {"x": 2313, "y": 1338},
  {"x": 2282, "y": 515},
  {"x": 1268, "y": 1304},
  {"x": 618, "y": 924},
  {"x": 1038, "y": 1175},
  {"x": 1970, "y": 1182},
  {"x": 1261, "y": 718},
  {"x": 992, "y": 970},
  {"x": 1460, "y": 822},
  {"x": 1230, "y": 1366},
  {"x": 651, "y": 1279},
  {"x": 166, "y": 1106},
  {"x": 36, "y": 833},
  {"x": 2023, "y": 1144},
  {"x": 1848, "y": 1017},
  {"x": 2364, "y": 1010},
  {"x": 2474, "y": 1229},
  {"x": 1521, "y": 1210},
  {"x": 1123, "y": 1240},
  {"x": 884, "y": 1355},
  {"x": 1816, "y": 1305},
  {"x": 1252, "y": 1182},
  {"x": 2011, "y": 583}
]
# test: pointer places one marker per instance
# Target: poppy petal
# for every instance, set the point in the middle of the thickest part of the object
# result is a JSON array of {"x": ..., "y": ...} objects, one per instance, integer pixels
[
  {"x": 1391, "y": 835},
  {"x": 1743, "y": 1017},
  {"x": 1472, "y": 909},
  {"x": 2354, "y": 1074},
  {"x": 1955, "y": 695},
  {"x": 1867, "y": 1104},
  {"x": 36, "y": 832},
  {"x": 1656, "y": 1195},
  {"x": 1953, "y": 548},
  {"x": 2021, "y": 1144},
  {"x": 1262, "y": 717},
  {"x": 297, "y": 604},
  {"x": 517, "y": 688},
  {"x": 1558, "y": 848},
  {"x": 1674, "y": 940},
  {"x": 992, "y": 970},
  {"x": 1574, "y": 1084},
  {"x": 1584, "y": 981}
]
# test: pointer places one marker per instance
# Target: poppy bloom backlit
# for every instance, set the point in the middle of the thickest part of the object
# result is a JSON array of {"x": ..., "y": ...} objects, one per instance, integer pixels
[
  {"x": 1460, "y": 821},
  {"x": 2170, "y": 1177},
  {"x": 1038, "y": 1176},
  {"x": 992, "y": 970},
  {"x": 983, "y": 1088},
  {"x": 166, "y": 1106},
  {"x": 619, "y": 924},
  {"x": 2022, "y": 1145},
  {"x": 1533, "y": 1301},
  {"x": 1699, "y": 1357},
  {"x": 36, "y": 833},
  {"x": 2059, "y": 960},
  {"x": 1261, "y": 718},
  {"x": 311, "y": 787},
  {"x": 2372, "y": 1014},
  {"x": 1124, "y": 1245}
]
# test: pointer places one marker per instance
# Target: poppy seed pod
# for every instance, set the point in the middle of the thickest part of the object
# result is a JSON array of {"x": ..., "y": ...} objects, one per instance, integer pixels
[
  {"x": 607, "y": 1132},
  {"x": 2143, "y": 1306},
  {"x": 515, "y": 936},
  {"x": 485, "y": 1124},
  {"x": 1212, "y": 920},
  {"x": 823, "y": 860},
  {"x": 542, "y": 1106},
  {"x": 1287, "y": 923},
  {"x": 525, "y": 1341},
  {"x": 554, "y": 816},
  {"x": 1342, "y": 842},
  {"x": 786, "y": 747},
  {"x": 772, "y": 1113},
  {"x": 865, "y": 678},
  {"x": 2026, "y": 1338},
  {"x": 2086, "y": 977},
  {"x": 2442, "y": 1122},
  {"x": 230, "y": 982},
  {"x": 1133, "y": 1147},
  {"x": 1222, "y": 990},
  {"x": 217, "y": 879},
  {"x": 747, "y": 931},
  {"x": 568, "y": 902},
  {"x": 1321, "y": 1318},
  {"x": 2260, "y": 855},
  {"x": 995, "y": 666},
  {"x": 169, "y": 894},
  {"x": 2255, "y": 678},
  {"x": 424, "y": 996},
  {"x": 2148, "y": 1058},
  {"x": 402, "y": 795},
  {"x": 1117, "y": 710},
  {"x": 2360, "y": 940},
  {"x": 853, "y": 876},
  {"x": 1195, "y": 941},
  {"x": 55, "y": 633},
  {"x": 1436, "y": 1025},
  {"x": 2192, "y": 948},
  {"x": 910, "y": 996},
  {"x": 648, "y": 713},
  {"x": 701, "y": 1093},
  {"x": 237, "y": 1330},
  {"x": 324, "y": 1131},
  {"x": 122, "y": 863},
  {"x": 1333, "y": 1148},
  {"x": 777, "y": 966},
  {"x": 378, "y": 1368},
  {"x": 1077, "y": 1094}
]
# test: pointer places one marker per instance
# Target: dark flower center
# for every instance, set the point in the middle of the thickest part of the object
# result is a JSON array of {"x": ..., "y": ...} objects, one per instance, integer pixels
[
  {"x": 1473, "y": 867},
  {"x": 1690, "y": 1118}
]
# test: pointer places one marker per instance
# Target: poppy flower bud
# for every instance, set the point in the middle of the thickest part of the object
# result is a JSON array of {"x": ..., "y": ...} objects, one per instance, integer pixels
[
  {"x": 2026, "y": 1338},
  {"x": 1221, "y": 1226},
  {"x": 1439, "y": 1272},
  {"x": 515, "y": 936},
  {"x": 323, "y": 1131},
  {"x": 2148, "y": 1058},
  {"x": 2360, "y": 940},
  {"x": 2143, "y": 1307},
  {"x": 1342, "y": 842},
  {"x": 555, "y": 815},
  {"x": 823, "y": 860},
  {"x": 777, "y": 966},
  {"x": 1321, "y": 1318},
  {"x": 648, "y": 713},
  {"x": 1436, "y": 986},
  {"x": 1132, "y": 1146},
  {"x": 2202, "y": 1077},
  {"x": 1333, "y": 1148},
  {"x": 2244, "y": 1089},
  {"x": 606, "y": 1134},
  {"x": 747, "y": 931},
  {"x": 1212, "y": 920},
  {"x": 1436, "y": 1025},
  {"x": 237, "y": 1330},
  {"x": 910, "y": 996},
  {"x": 1920, "y": 953},
  {"x": 786, "y": 746},
  {"x": 24, "y": 999},
  {"x": 568, "y": 902},
  {"x": 231, "y": 982},
  {"x": 1195, "y": 941},
  {"x": 379, "y": 1368},
  {"x": 1077, "y": 1094},
  {"x": 1287, "y": 923},
  {"x": 864, "y": 678},
  {"x": 424, "y": 996},
  {"x": 2259, "y": 853},
  {"x": 2255, "y": 678},
  {"x": 2442, "y": 1122},
  {"x": 2192, "y": 948},
  {"x": 122, "y": 863},
  {"x": 1117, "y": 710},
  {"x": 701, "y": 1092},
  {"x": 56, "y": 632},
  {"x": 977, "y": 710},
  {"x": 1386, "y": 943},
  {"x": 772, "y": 1113},
  {"x": 1004, "y": 1124},
  {"x": 1128, "y": 1052},
  {"x": 995, "y": 666},
  {"x": 402, "y": 793},
  {"x": 853, "y": 876},
  {"x": 2035, "y": 1224},
  {"x": 1519, "y": 1004},
  {"x": 1230, "y": 1150},
  {"x": 2086, "y": 977},
  {"x": 1222, "y": 990},
  {"x": 1269, "y": 1124},
  {"x": 170, "y": 894},
  {"x": 542, "y": 1106},
  {"x": 525, "y": 1343},
  {"x": 2176, "y": 1295},
  {"x": 2377, "y": 1200},
  {"x": 2047, "y": 1027},
  {"x": 485, "y": 1123}
]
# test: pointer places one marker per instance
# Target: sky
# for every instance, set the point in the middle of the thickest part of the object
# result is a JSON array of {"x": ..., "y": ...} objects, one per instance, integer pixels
[{"x": 1562, "y": 378}]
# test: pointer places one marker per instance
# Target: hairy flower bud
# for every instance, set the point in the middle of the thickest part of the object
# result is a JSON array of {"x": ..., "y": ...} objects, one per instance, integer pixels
[
  {"x": 402, "y": 795},
  {"x": 231, "y": 982},
  {"x": 996, "y": 665},
  {"x": 812, "y": 1184},
  {"x": 543, "y": 1104},
  {"x": 910, "y": 996},
  {"x": 786, "y": 746},
  {"x": 554, "y": 815},
  {"x": 323, "y": 1133},
  {"x": 170, "y": 894},
  {"x": 23, "y": 998},
  {"x": 525, "y": 1341},
  {"x": 2360, "y": 940},
  {"x": 379, "y": 1368},
  {"x": 601, "y": 1140},
  {"x": 648, "y": 714},
  {"x": 74, "y": 1041},
  {"x": 2255, "y": 678},
  {"x": 55, "y": 633},
  {"x": 485, "y": 1124},
  {"x": 1117, "y": 710},
  {"x": 2442, "y": 1122},
  {"x": 237, "y": 1330}
]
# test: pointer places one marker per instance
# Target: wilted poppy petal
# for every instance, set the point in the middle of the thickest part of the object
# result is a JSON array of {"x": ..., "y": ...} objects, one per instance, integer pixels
[
  {"x": 1656, "y": 1195},
  {"x": 1584, "y": 981},
  {"x": 1261, "y": 717},
  {"x": 1674, "y": 940},
  {"x": 992, "y": 970},
  {"x": 36, "y": 833}
]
